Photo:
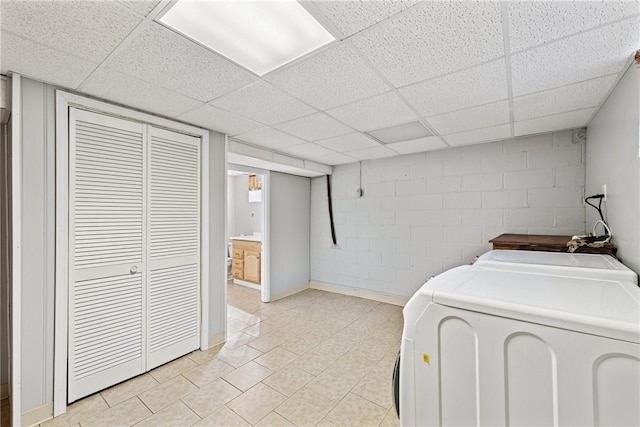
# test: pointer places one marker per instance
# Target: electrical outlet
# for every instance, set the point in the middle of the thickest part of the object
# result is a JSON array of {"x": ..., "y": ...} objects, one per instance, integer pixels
[
  {"x": 604, "y": 192},
  {"x": 359, "y": 192}
]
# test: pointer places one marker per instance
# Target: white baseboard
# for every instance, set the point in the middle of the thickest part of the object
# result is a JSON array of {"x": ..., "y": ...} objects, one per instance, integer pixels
[
  {"x": 290, "y": 292},
  {"x": 37, "y": 415},
  {"x": 357, "y": 292},
  {"x": 4, "y": 391},
  {"x": 216, "y": 339},
  {"x": 246, "y": 284}
]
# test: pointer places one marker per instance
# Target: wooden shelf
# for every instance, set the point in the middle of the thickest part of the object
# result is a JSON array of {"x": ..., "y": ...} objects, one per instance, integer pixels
[{"x": 543, "y": 242}]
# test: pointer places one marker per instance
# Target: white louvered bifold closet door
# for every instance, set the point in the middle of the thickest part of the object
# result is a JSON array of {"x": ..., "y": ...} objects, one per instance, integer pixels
[
  {"x": 174, "y": 245},
  {"x": 106, "y": 251}
]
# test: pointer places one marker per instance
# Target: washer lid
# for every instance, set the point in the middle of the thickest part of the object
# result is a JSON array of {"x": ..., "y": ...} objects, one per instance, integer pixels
[
  {"x": 605, "y": 307},
  {"x": 583, "y": 265}
]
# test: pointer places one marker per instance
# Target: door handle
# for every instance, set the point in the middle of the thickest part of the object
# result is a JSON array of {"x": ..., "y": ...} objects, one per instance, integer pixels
[{"x": 133, "y": 269}]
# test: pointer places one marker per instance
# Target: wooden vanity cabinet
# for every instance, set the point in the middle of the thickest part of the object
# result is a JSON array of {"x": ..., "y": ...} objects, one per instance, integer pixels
[
  {"x": 252, "y": 266},
  {"x": 246, "y": 260}
]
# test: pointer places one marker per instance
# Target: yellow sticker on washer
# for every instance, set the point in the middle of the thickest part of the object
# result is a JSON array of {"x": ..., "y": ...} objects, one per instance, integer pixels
[{"x": 426, "y": 358}]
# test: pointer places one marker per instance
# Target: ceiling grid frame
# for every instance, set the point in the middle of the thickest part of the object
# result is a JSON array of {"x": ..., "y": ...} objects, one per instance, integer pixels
[
  {"x": 616, "y": 19},
  {"x": 504, "y": 10}
]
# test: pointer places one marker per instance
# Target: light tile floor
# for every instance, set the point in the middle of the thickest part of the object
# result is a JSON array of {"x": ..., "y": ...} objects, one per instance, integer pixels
[{"x": 314, "y": 358}]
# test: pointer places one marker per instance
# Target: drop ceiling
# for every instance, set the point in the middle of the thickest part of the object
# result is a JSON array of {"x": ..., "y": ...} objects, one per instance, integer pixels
[{"x": 470, "y": 72}]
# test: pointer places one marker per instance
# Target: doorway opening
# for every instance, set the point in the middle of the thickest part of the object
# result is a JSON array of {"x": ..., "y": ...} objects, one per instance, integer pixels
[{"x": 247, "y": 240}]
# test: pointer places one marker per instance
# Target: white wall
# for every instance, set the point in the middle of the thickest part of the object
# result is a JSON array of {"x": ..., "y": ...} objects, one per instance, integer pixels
[
  {"x": 38, "y": 242},
  {"x": 217, "y": 238},
  {"x": 613, "y": 158},
  {"x": 288, "y": 233},
  {"x": 5, "y": 182},
  {"x": 231, "y": 206},
  {"x": 424, "y": 213},
  {"x": 247, "y": 217}
]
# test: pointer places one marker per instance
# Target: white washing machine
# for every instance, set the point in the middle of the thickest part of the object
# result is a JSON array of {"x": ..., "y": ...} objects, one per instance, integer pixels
[
  {"x": 589, "y": 265},
  {"x": 517, "y": 341}
]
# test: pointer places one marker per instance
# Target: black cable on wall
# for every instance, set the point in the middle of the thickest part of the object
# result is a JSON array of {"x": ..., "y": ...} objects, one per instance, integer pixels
[{"x": 333, "y": 228}]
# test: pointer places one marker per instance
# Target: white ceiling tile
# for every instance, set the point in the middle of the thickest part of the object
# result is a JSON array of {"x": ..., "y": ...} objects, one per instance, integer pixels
[
  {"x": 372, "y": 153},
  {"x": 351, "y": 17},
  {"x": 123, "y": 89},
  {"x": 170, "y": 60},
  {"x": 42, "y": 63},
  {"x": 535, "y": 22},
  {"x": 374, "y": 113},
  {"x": 307, "y": 151},
  {"x": 141, "y": 7},
  {"x": 581, "y": 57},
  {"x": 474, "y": 86},
  {"x": 350, "y": 142},
  {"x": 333, "y": 77},
  {"x": 447, "y": 57},
  {"x": 269, "y": 138},
  {"x": 570, "y": 120},
  {"x": 87, "y": 29},
  {"x": 219, "y": 120},
  {"x": 434, "y": 39},
  {"x": 475, "y": 136},
  {"x": 264, "y": 103},
  {"x": 483, "y": 116},
  {"x": 418, "y": 145},
  {"x": 562, "y": 99},
  {"x": 335, "y": 159},
  {"x": 314, "y": 127}
]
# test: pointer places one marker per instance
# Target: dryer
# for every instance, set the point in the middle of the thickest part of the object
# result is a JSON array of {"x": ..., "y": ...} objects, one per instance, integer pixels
[
  {"x": 588, "y": 265},
  {"x": 510, "y": 341}
]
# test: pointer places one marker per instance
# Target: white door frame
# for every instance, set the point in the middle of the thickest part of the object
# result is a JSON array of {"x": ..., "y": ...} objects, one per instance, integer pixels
[
  {"x": 265, "y": 287},
  {"x": 15, "y": 373},
  {"x": 64, "y": 100}
]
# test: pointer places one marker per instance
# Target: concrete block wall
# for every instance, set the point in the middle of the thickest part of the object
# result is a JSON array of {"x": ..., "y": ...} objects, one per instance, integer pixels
[{"x": 424, "y": 213}]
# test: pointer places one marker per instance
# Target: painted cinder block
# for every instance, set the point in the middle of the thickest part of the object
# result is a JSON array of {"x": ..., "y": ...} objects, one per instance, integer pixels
[
  {"x": 562, "y": 197},
  {"x": 528, "y": 217},
  {"x": 384, "y": 246},
  {"x": 572, "y": 217},
  {"x": 382, "y": 217},
  {"x": 504, "y": 199},
  {"x": 505, "y": 162},
  {"x": 532, "y": 178},
  {"x": 529, "y": 143},
  {"x": 482, "y": 182},
  {"x": 570, "y": 176},
  {"x": 427, "y": 169},
  {"x": 445, "y": 184},
  {"x": 432, "y": 211},
  {"x": 557, "y": 157},
  {"x": 413, "y": 187},
  {"x": 482, "y": 217},
  {"x": 464, "y": 165},
  {"x": 428, "y": 233},
  {"x": 426, "y": 201},
  {"x": 462, "y": 234},
  {"x": 466, "y": 200}
]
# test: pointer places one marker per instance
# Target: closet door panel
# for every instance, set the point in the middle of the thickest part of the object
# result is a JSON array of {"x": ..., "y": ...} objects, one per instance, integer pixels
[
  {"x": 106, "y": 251},
  {"x": 174, "y": 245}
]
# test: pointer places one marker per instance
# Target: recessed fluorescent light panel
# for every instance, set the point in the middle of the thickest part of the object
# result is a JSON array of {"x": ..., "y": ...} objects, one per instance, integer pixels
[
  {"x": 397, "y": 133},
  {"x": 259, "y": 35}
]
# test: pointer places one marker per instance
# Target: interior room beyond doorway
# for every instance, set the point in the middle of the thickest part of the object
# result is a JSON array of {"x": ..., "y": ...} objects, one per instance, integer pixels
[{"x": 246, "y": 243}]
